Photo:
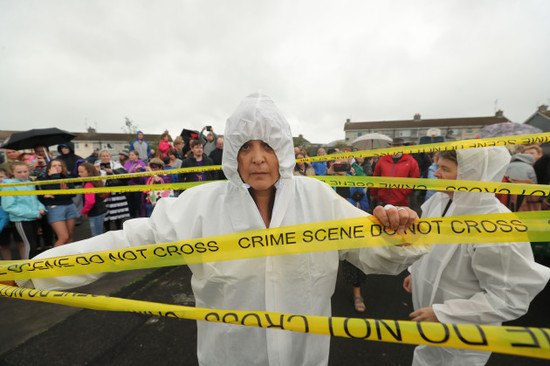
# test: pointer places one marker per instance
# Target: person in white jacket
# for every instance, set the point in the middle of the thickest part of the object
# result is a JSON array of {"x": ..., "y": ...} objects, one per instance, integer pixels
[
  {"x": 261, "y": 192},
  {"x": 471, "y": 283}
]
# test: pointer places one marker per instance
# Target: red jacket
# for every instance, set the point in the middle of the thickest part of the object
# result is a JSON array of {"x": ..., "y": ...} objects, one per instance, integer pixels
[
  {"x": 164, "y": 146},
  {"x": 405, "y": 167}
]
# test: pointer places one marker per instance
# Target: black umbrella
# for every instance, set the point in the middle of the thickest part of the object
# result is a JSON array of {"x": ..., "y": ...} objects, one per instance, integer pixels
[
  {"x": 38, "y": 136},
  {"x": 189, "y": 134}
]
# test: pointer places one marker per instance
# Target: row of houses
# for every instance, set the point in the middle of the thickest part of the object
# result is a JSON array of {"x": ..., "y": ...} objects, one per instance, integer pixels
[
  {"x": 453, "y": 129},
  {"x": 86, "y": 142}
]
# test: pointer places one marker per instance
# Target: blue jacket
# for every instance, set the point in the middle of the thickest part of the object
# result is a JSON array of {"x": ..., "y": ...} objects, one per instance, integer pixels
[
  {"x": 21, "y": 208},
  {"x": 363, "y": 202},
  {"x": 4, "y": 218},
  {"x": 320, "y": 167}
]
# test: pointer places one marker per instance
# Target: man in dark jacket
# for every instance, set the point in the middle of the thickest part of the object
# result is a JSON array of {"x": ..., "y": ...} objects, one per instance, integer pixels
[
  {"x": 197, "y": 159},
  {"x": 216, "y": 156},
  {"x": 401, "y": 165},
  {"x": 68, "y": 156}
]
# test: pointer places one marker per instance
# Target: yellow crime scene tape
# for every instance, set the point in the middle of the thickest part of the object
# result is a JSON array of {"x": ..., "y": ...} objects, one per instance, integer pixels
[
  {"x": 542, "y": 190},
  {"x": 330, "y": 235},
  {"x": 361, "y": 232},
  {"x": 453, "y": 145},
  {"x": 142, "y": 188},
  {"x": 520, "y": 341},
  {"x": 124, "y": 176},
  {"x": 442, "y": 146}
]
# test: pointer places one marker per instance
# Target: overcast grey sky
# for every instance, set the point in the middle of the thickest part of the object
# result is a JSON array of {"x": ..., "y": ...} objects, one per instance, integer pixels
[{"x": 169, "y": 64}]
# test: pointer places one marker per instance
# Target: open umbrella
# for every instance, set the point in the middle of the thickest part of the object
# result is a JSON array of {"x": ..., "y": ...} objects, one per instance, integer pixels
[
  {"x": 189, "y": 134},
  {"x": 507, "y": 129},
  {"x": 371, "y": 141},
  {"x": 38, "y": 136}
]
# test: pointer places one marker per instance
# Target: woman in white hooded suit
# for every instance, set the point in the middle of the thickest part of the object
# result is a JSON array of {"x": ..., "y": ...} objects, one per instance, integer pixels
[
  {"x": 300, "y": 284},
  {"x": 471, "y": 283}
]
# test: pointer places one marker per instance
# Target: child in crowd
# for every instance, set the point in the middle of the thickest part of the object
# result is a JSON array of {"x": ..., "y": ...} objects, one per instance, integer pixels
[
  {"x": 5, "y": 226},
  {"x": 23, "y": 210},
  {"x": 94, "y": 207}
]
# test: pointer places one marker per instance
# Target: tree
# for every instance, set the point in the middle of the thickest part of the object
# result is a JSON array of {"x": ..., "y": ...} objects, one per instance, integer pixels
[{"x": 130, "y": 128}]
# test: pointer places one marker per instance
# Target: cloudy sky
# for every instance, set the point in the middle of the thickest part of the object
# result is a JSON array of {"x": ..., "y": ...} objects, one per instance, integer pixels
[{"x": 170, "y": 64}]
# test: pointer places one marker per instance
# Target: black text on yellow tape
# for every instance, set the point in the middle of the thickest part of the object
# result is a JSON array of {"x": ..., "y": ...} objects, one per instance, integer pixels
[
  {"x": 530, "y": 342},
  {"x": 538, "y": 190},
  {"x": 354, "y": 233}
]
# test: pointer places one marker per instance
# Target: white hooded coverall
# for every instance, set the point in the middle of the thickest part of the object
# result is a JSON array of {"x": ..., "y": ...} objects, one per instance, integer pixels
[
  {"x": 299, "y": 284},
  {"x": 473, "y": 283}
]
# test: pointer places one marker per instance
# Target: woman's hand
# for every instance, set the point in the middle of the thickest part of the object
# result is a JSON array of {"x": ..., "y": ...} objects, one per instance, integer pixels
[
  {"x": 424, "y": 315},
  {"x": 407, "y": 284},
  {"x": 396, "y": 218},
  {"x": 9, "y": 283}
]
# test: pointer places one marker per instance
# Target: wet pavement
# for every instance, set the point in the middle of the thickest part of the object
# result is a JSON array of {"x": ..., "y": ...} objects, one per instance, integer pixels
[{"x": 47, "y": 334}]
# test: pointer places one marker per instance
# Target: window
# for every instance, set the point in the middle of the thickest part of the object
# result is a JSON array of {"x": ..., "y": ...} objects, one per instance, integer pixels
[{"x": 107, "y": 146}]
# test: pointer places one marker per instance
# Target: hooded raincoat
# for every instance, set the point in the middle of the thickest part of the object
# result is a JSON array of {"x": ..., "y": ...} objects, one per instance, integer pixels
[
  {"x": 300, "y": 283},
  {"x": 474, "y": 283}
]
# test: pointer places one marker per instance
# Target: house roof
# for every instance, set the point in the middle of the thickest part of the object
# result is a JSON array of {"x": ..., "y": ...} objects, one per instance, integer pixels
[{"x": 426, "y": 123}]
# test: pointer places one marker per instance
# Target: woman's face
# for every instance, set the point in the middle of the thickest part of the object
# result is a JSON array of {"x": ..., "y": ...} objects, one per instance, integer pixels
[
  {"x": 105, "y": 157},
  {"x": 258, "y": 165},
  {"x": 82, "y": 172},
  {"x": 133, "y": 156},
  {"x": 56, "y": 167}
]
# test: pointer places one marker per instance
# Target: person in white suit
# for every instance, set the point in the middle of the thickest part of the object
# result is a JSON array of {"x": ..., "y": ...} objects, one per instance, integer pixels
[
  {"x": 471, "y": 283},
  {"x": 261, "y": 192}
]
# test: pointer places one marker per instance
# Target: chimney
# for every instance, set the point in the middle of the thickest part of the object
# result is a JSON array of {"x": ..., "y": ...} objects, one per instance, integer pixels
[
  {"x": 499, "y": 113},
  {"x": 417, "y": 117},
  {"x": 543, "y": 108},
  {"x": 348, "y": 120},
  {"x": 91, "y": 130}
]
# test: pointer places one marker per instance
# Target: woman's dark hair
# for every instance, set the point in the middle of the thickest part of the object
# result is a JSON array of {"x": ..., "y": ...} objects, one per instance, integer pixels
[
  {"x": 194, "y": 143},
  {"x": 63, "y": 166},
  {"x": 449, "y": 155},
  {"x": 93, "y": 172}
]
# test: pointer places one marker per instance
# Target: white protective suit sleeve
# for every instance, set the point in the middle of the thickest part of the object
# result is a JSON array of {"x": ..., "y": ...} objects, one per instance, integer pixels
[
  {"x": 136, "y": 232},
  {"x": 509, "y": 279}
]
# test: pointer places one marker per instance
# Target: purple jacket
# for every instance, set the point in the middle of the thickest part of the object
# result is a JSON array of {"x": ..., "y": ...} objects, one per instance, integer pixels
[{"x": 130, "y": 167}]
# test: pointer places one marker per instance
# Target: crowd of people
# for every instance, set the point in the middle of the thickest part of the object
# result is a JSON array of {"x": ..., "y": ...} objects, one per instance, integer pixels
[
  {"x": 478, "y": 283},
  {"x": 52, "y": 220}
]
